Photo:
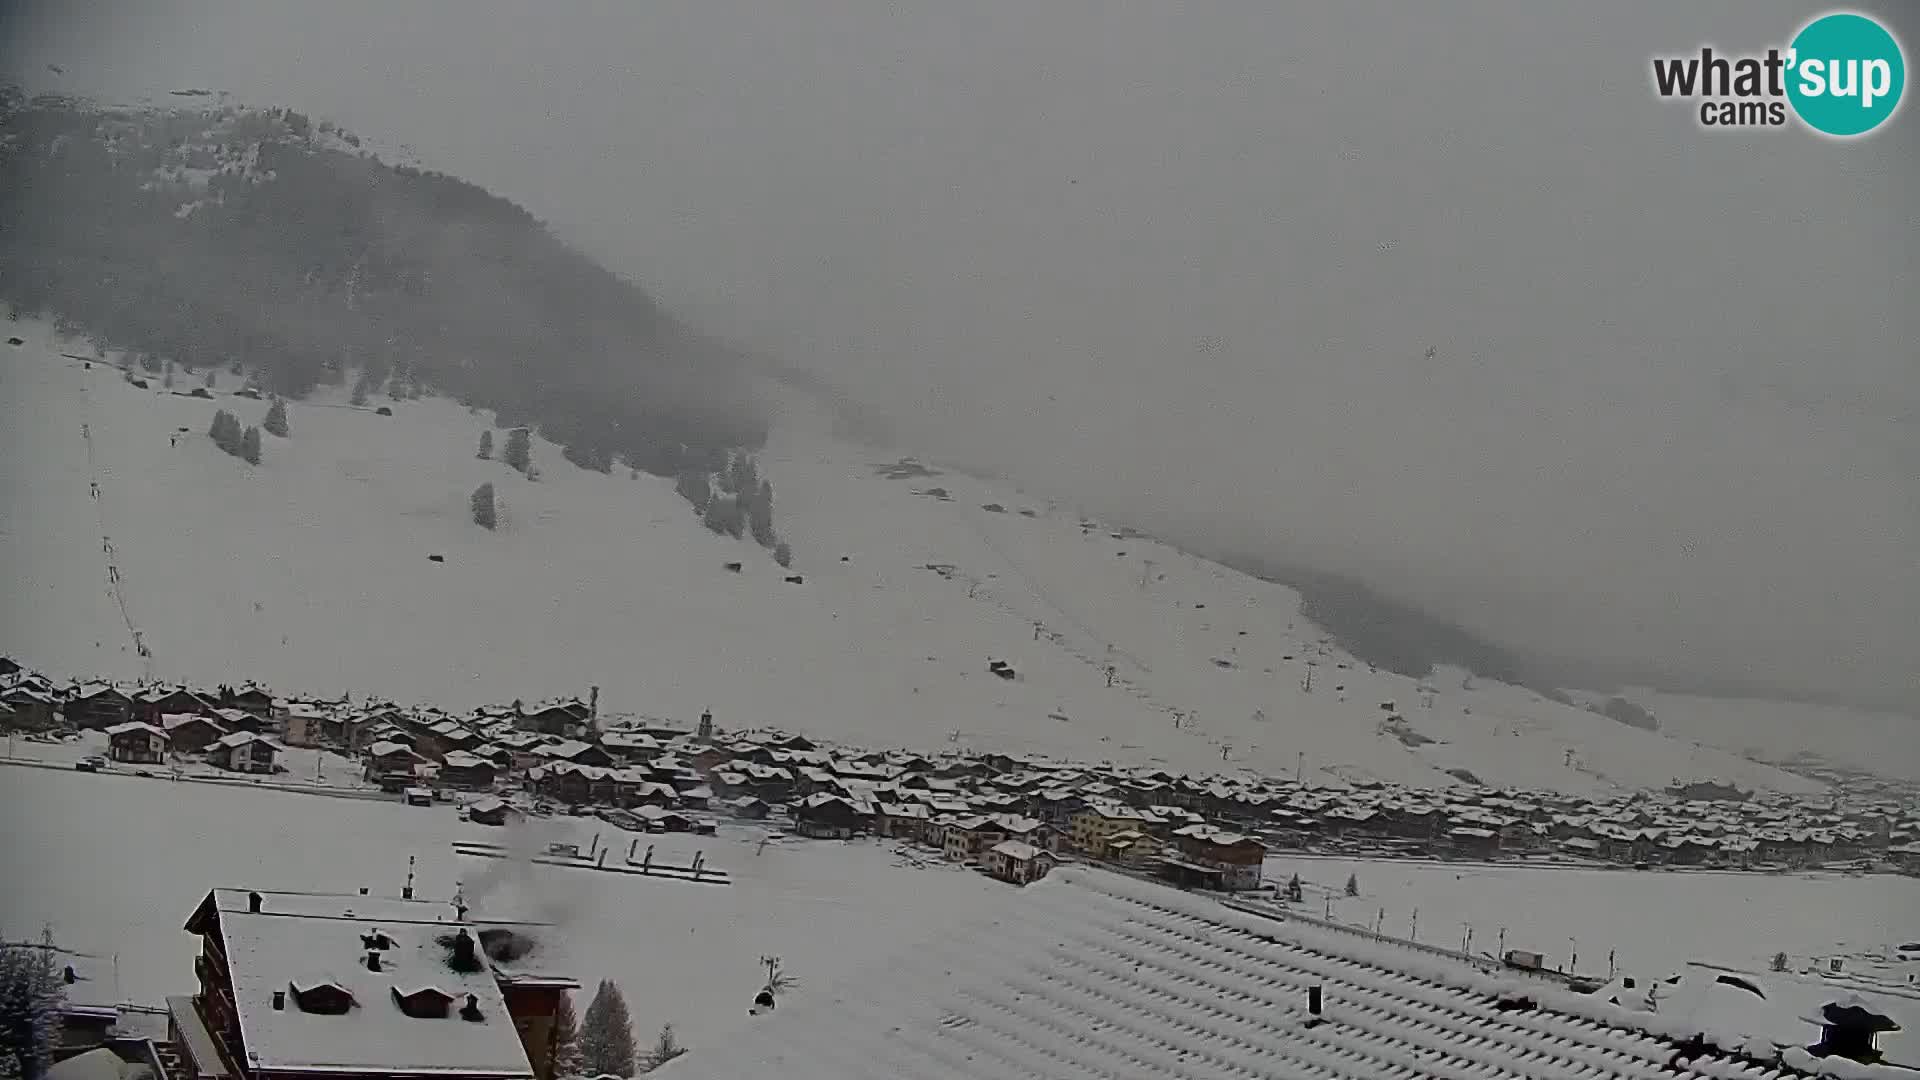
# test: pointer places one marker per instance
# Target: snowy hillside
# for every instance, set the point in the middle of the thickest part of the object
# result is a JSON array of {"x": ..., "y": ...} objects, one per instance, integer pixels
[{"x": 311, "y": 573}]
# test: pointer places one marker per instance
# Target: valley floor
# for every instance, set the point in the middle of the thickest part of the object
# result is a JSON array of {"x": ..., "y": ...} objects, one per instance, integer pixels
[{"x": 116, "y": 863}]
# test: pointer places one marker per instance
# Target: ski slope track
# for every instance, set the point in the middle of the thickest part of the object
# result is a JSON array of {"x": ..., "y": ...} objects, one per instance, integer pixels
[{"x": 311, "y": 573}]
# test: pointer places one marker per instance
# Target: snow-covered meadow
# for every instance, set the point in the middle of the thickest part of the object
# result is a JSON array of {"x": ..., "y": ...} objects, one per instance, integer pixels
[
  {"x": 115, "y": 864},
  {"x": 311, "y": 573},
  {"x": 1654, "y": 922}
]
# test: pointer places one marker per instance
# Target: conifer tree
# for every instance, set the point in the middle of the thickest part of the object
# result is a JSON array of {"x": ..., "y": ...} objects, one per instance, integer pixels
[
  {"x": 606, "y": 1034},
  {"x": 276, "y": 421},
  {"x": 486, "y": 445},
  {"x": 519, "y": 452},
  {"x": 250, "y": 446},
  {"x": 563, "y": 1049},
  {"x": 482, "y": 502}
]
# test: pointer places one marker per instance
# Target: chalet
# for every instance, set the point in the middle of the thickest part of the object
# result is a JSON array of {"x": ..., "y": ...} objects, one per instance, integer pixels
[
  {"x": 242, "y": 720},
  {"x": 908, "y": 821},
  {"x": 301, "y": 986},
  {"x": 748, "y": 808},
  {"x": 250, "y": 699},
  {"x": 1017, "y": 862},
  {"x": 190, "y": 733},
  {"x": 391, "y": 759},
  {"x": 1474, "y": 842},
  {"x": 566, "y": 719},
  {"x": 137, "y": 743},
  {"x": 32, "y": 710},
  {"x": 573, "y": 784},
  {"x": 661, "y": 819},
  {"x": 243, "y": 751},
  {"x": 968, "y": 837},
  {"x": 98, "y": 706},
  {"x": 150, "y": 706},
  {"x": 491, "y": 811},
  {"x": 470, "y": 772},
  {"x": 1214, "y": 858},
  {"x": 635, "y": 746},
  {"x": 580, "y": 753},
  {"x": 828, "y": 817}
]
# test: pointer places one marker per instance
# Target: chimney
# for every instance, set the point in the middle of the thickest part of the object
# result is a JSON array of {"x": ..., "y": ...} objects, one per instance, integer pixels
[
  {"x": 253, "y": 902},
  {"x": 471, "y": 1010},
  {"x": 279, "y": 1000},
  {"x": 460, "y": 910},
  {"x": 706, "y": 724},
  {"x": 373, "y": 959},
  {"x": 1313, "y": 1000},
  {"x": 70, "y": 975},
  {"x": 363, "y": 890},
  {"x": 593, "y": 702}
]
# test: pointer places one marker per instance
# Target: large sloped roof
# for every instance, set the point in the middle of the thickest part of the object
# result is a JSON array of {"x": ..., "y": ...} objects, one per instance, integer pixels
[{"x": 1091, "y": 974}]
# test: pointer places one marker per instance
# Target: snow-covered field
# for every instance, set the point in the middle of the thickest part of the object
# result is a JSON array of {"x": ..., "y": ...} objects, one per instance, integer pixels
[
  {"x": 1655, "y": 922},
  {"x": 310, "y": 572},
  {"x": 116, "y": 864}
]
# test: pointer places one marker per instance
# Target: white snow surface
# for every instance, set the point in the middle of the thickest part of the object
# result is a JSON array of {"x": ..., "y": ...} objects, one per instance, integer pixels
[
  {"x": 118, "y": 864},
  {"x": 1090, "y": 974},
  {"x": 310, "y": 574}
]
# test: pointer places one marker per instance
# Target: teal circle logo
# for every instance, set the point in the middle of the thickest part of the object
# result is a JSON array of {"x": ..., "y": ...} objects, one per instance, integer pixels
[{"x": 1847, "y": 74}]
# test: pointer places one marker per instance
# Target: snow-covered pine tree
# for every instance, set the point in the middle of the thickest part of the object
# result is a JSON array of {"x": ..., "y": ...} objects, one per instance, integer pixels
[
  {"x": 30, "y": 1000},
  {"x": 783, "y": 554},
  {"x": 563, "y": 1049},
  {"x": 250, "y": 446},
  {"x": 1353, "y": 885},
  {"x": 519, "y": 451},
  {"x": 606, "y": 1034},
  {"x": 276, "y": 421},
  {"x": 760, "y": 516},
  {"x": 482, "y": 502},
  {"x": 486, "y": 446}
]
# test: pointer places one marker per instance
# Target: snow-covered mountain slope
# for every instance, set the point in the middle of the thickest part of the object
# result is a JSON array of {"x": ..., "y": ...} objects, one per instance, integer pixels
[{"x": 311, "y": 572}]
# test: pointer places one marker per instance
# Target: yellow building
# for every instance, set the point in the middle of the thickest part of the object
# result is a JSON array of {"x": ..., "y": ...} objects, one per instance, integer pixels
[{"x": 1097, "y": 822}]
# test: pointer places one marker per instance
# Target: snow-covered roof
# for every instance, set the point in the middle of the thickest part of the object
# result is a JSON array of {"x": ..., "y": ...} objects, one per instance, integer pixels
[
  {"x": 1093, "y": 974},
  {"x": 290, "y": 942},
  {"x": 132, "y": 726},
  {"x": 1016, "y": 849}
]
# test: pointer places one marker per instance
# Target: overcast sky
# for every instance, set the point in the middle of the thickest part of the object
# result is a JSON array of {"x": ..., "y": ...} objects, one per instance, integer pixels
[{"x": 1185, "y": 263}]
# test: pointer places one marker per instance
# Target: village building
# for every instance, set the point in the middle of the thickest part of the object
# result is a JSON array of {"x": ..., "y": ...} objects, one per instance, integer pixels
[
  {"x": 150, "y": 705},
  {"x": 491, "y": 810},
  {"x": 98, "y": 706},
  {"x": 190, "y": 733},
  {"x": 243, "y": 751},
  {"x": 829, "y": 817},
  {"x": 304, "y": 724},
  {"x": 299, "y": 986},
  {"x": 391, "y": 764},
  {"x": 470, "y": 772},
  {"x": 28, "y": 709},
  {"x": 1212, "y": 858},
  {"x": 1018, "y": 862},
  {"x": 136, "y": 743}
]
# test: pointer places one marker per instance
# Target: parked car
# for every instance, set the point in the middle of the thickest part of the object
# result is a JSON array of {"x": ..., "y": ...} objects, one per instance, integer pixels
[{"x": 90, "y": 764}]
